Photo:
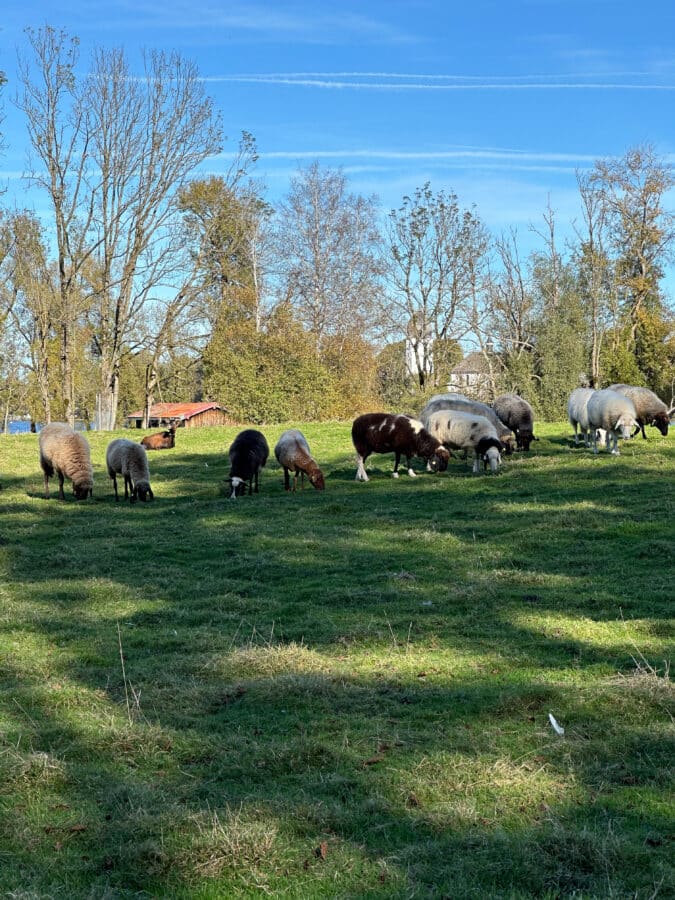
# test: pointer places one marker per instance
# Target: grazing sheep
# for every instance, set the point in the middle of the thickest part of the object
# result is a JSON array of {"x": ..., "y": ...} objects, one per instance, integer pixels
[
  {"x": 162, "y": 440},
  {"x": 66, "y": 452},
  {"x": 129, "y": 459},
  {"x": 248, "y": 454},
  {"x": 577, "y": 413},
  {"x": 615, "y": 413},
  {"x": 466, "y": 431},
  {"x": 517, "y": 414},
  {"x": 456, "y": 401},
  {"x": 397, "y": 434},
  {"x": 650, "y": 409},
  {"x": 292, "y": 453}
]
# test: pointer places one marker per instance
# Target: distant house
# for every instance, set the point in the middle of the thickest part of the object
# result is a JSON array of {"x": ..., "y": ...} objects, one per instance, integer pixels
[
  {"x": 189, "y": 415},
  {"x": 471, "y": 374}
]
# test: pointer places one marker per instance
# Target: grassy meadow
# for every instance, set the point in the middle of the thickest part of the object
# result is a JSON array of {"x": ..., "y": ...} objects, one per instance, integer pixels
[{"x": 340, "y": 694}]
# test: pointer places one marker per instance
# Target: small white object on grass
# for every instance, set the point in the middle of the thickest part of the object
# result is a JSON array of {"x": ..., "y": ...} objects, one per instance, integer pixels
[{"x": 554, "y": 724}]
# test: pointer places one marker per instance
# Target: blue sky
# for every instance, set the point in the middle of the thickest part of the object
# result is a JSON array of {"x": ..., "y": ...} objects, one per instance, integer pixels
[{"x": 500, "y": 102}]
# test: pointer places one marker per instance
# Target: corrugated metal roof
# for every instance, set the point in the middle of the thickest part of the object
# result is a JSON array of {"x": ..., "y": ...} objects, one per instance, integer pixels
[{"x": 175, "y": 410}]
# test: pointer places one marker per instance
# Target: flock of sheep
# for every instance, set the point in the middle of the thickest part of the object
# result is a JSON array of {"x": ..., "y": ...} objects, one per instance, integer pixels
[{"x": 448, "y": 422}]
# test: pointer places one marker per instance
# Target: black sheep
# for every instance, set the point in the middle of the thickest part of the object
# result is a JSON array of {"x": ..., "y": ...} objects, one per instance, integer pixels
[{"x": 248, "y": 454}]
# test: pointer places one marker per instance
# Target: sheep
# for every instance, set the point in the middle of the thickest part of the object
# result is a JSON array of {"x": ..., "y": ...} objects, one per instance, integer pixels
[
  {"x": 292, "y": 453},
  {"x": 465, "y": 431},
  {"x": 129, "y": 459},
  {"x": 517, "y": 414},
  {"x": 456, "y": 401},
  {"x": 650, "y": 409},
  {"x": 163, "y": 440},
  {"x": 248, "y": 454},
  {"x": 64, "y": 451},
  {"x": 577, "y": 413},
  {"x": 615, "y": 413},
  {"x": 398, "y": 434}
]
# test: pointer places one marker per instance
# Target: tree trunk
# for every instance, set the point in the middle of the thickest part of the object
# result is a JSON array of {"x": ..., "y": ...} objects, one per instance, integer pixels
[
  {"x": 150, "y": 385},
  {"x": 108, "y": 398}
]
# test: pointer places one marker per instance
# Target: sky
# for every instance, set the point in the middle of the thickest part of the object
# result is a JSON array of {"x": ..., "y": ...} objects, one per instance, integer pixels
[{"x": 500, "y": 102}]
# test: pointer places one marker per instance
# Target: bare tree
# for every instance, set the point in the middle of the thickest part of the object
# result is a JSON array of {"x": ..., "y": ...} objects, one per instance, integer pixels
[
  {"x": 328, "y": 251},
  {"x": 147, "y": 136},
  {"x": 116, "y": 148},
  {"x": 56, "y": 118},
  {"x": 434, "y": 253}
]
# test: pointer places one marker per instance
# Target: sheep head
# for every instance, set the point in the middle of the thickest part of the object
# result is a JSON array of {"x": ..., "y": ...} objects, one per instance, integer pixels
[
  {"x": 142, "y": 491},
  {"x": 439, "y": 461}
]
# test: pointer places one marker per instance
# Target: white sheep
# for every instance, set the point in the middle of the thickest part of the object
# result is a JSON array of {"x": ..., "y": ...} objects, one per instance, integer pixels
[
  {"x": 475, "y": 408},
  {"x": 577, "y": 413},
  {"x": 459, "y": 430},
  {"x": 292, "y": 453},
  {"x": 67, "y": 453},
  {"x": 127, "y": 458},
  {"x": 615, "y": 413}
]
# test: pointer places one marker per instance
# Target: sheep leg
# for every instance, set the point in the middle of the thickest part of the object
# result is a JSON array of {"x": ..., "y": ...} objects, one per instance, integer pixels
[
  {"x": 62, "y": 496},
  {"x": 129, "y": 490},
  {"x": 287, "y": 480},
  {"x": 361, "y": 468},
  {"x": 114, "y": 478},
  {"x": 411, "y": 471},
  {"x": 397, "y": 460}
]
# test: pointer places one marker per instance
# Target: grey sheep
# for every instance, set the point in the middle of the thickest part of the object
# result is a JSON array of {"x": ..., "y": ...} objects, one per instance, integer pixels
[
  {"x": 650, "y": 409},
  {"x": 458, "y": 402},
  {"x": 613, "y": 412},
  {"x": 64, "y": 451},
  {"x": 129, "y": 459},
  {"x": 292, "y": 453},
  {"x": 459, "y": 430},
  {"x": 517, "y": 414}
]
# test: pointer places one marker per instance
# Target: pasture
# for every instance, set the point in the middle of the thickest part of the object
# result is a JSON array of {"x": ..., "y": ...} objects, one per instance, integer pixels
[{"x": 340, "y": 694}]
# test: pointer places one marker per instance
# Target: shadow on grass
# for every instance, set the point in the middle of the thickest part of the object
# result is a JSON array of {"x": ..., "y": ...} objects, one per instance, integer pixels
[{"x": 247, "y": 628}]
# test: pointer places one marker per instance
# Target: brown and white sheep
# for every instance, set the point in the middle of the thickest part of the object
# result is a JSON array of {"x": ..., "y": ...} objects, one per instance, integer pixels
[
  {"x": 650, "y": 409},
  {"x": 292, "y": 453},
  {"x": 397, "y": 434},
  {"x": 248, "y": 454},
  {"x": 161, "y": 440},
  {"x": 129, "y": 459},
  {"x": 66, "y": 452}
]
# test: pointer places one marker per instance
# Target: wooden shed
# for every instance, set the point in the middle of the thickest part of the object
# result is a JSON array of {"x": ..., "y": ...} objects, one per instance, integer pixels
[{"x": 188, "y": 415}]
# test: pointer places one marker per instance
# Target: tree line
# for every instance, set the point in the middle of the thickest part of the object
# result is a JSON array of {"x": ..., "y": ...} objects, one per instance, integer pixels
[{"x": 147, "y": 280}]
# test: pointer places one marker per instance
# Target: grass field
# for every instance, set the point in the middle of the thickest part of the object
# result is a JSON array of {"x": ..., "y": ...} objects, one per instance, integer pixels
[{"x": 340, "y": 694}]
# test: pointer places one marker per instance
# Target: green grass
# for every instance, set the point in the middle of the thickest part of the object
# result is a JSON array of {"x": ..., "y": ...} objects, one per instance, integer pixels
[{"x": 340, "y": 694}]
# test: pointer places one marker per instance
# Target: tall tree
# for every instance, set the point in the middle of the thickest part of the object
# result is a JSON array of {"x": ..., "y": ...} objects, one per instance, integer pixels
[
  {"x": 55, "y": 111},
  {"x": 641, "y": 229},
  {"x": 115, "y": 148},
  {"x": 34, "y": 301},
  {"x": 434, "y": 249},
  {"x": 328, "y": 254}
]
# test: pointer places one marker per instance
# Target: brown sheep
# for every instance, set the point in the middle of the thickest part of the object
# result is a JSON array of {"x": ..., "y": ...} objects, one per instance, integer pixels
[
  {"x": 292, "y": 453},
  {"x": 67, "y": 453},
  {"x": 162, "y": 440}
]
